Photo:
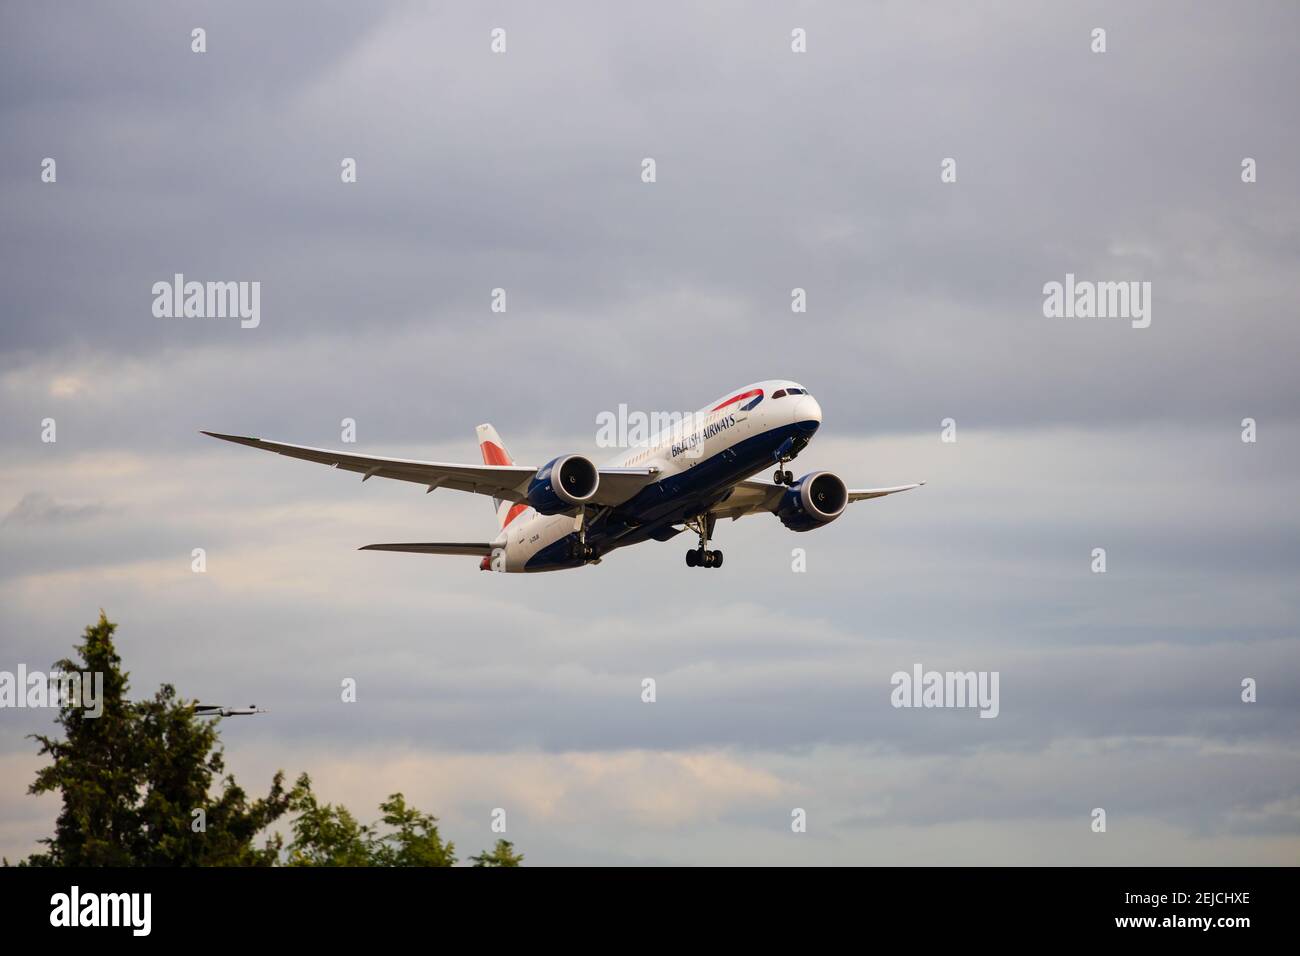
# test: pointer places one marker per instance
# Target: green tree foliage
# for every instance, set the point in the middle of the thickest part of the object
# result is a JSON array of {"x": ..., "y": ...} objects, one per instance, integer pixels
[
  {"x": 328, "y": 835},
  {"x": 414, "y": 840},
  {"x": 133, "y": 778},
  {"x": 503, "y": 854},
  {"x": 94, "y": 767},
  {"x": 325, "y": 835}
]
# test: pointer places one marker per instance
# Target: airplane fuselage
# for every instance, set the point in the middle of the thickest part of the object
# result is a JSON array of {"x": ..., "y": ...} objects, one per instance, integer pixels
[{"x": 699, "y": 460}]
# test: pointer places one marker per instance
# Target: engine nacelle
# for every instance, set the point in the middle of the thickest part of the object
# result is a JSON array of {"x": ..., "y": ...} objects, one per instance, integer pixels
[
  {"x": 817, "y": 498},
  {"x": 563, "y": 483}
]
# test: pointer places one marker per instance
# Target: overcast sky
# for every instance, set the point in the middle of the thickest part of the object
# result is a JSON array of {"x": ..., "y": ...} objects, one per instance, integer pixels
[{"x": 775, "y": 170}]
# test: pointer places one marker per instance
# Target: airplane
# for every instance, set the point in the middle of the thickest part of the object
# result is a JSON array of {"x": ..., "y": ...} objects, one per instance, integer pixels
[
  {"x": 570, "y": 513},
  {"x": 217, "y": 710}
]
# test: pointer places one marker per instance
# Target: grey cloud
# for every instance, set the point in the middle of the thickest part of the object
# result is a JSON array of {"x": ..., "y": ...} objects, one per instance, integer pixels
[
  {"x": 38, "y": 509},
  {"x": 520, "y": 171}
]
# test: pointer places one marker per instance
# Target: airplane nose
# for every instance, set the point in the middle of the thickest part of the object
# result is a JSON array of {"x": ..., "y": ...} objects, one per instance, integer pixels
[{"x": 807, "y": 411}]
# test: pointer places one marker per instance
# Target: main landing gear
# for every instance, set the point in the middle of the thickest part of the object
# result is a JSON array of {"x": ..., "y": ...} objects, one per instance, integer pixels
[
  {"x": 701, "y": 557},
  {"x": 579, "y": 550},
  {"x": 783, "y": 477}
]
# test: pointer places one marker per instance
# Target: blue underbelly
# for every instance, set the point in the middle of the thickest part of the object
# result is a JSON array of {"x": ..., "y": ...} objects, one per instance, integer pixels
[{"x": 675, "y": 498}]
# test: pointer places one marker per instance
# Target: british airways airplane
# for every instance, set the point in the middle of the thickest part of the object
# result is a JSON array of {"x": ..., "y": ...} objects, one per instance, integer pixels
[{"x": 569, "y": 513}]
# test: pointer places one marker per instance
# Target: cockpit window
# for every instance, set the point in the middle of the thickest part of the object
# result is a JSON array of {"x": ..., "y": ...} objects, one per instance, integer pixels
[
  {"x": 779, "y": 394},
  {"x": 796, "y": 391}
]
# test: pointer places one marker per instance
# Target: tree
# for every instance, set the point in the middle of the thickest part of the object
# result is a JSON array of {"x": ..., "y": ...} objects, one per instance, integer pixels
[
  {"x": 503, "y": 854},
  {"x": 323, "y": 834},
  {"x": 328, "y": 835},
  {"x": 133, "y": 777},
  {"x": 137, "y": 786},
  {"x": 181, "y": 758},
  {"x": 415, "y": 840},
  {"x": 94, "y": 767}
]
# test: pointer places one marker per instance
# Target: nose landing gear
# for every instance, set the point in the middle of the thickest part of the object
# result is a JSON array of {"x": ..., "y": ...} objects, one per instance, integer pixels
[
  {"x": 787, "y": 452},
  {"x": 702, "y": 557}
]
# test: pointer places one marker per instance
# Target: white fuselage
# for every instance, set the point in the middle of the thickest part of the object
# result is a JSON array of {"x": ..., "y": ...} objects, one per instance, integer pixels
[{"x": 690, "y": 441}]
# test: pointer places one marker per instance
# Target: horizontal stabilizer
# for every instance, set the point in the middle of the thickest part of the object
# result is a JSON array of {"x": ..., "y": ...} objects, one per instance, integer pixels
[{"x": 472, "y": 549}]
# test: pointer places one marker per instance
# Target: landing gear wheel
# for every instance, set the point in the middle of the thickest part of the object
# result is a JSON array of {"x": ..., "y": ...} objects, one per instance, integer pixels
[
  {"x": 581, "y": 552},
  {"x": 779, "y": 477},
  {"x": 789, "y": 477},
  {"x": 702, "y": 557}
]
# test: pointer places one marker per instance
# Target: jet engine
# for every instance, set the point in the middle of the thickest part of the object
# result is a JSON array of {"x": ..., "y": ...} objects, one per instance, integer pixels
[
  {"x": 562, "y": 484},
  {"x": 817, "y": 498}
]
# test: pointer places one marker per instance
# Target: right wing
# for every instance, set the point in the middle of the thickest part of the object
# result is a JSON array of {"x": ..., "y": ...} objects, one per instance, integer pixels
[
  {"x": 752, "y": 497},
  {"x": 475, "y": 549},
  {"x": 862, "y": 494},
  {"x": 508, "y": 482}
]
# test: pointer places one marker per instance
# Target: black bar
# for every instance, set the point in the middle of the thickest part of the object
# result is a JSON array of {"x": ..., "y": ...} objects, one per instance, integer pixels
[{"x": 540, "y": 906}]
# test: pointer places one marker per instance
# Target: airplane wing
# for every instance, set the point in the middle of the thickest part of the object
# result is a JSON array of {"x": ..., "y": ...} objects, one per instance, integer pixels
[
  {"x": 509, "y": 482},
  {"x": 752, "y": 497},
  {"x": 862, "y": 494},
  {"x": 473, "y": 549}
]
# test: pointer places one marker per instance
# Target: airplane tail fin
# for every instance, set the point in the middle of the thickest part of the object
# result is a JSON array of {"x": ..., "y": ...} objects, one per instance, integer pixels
[{"x": 494, "y": 453}]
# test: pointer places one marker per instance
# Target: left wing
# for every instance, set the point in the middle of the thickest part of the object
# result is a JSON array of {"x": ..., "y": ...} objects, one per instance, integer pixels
[
  {"x": 508, "y": 482},
  {"x": 752, "y": 497},
  {"x": 500, "y": 481}
]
